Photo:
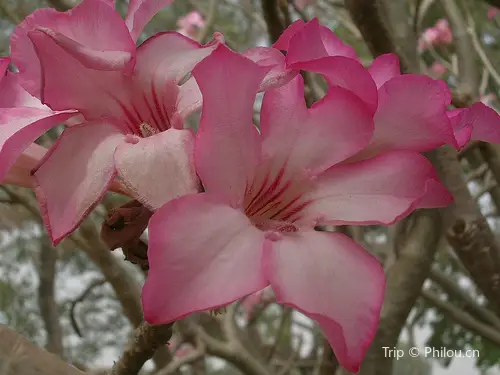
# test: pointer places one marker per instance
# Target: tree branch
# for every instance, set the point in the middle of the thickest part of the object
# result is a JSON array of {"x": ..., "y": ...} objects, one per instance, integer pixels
[
  {"x": 275, "y": 25},
  {"x": 462, "y": 318},
  {"x": 147, "y": 339},
  {"x": 475, "y": 245},
  {"x": 455, "y": 291},
  {"x": 18, "y": 356},
  {"x": 46, "y": 298},
  {"x": 404, "y": 283},
  {"x": 468, "y": 87}
]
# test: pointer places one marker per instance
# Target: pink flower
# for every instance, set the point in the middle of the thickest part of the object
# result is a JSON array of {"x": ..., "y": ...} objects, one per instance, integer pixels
[
  {"x": 266, "y": 191},
  {"x": 301, "y": 4},
  {"x": 182, "y": 349},
  {"x": 189, "y": 24},
  {"x": 440, "y": 34},
  {"x": 310, "y": 46},
  {"x": 133, "y": 108},
  {"x": 430, "y": 37},
  {"x": 444, "y": 30},
  {"x": 492, "y": 12},
  {"x": 437, "y": 69}
]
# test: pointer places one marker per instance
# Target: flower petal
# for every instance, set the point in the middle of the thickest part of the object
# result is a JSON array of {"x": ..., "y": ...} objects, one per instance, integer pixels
[
  {"x": 74, "y": 175},
  {"x": 283, "y": 41},
  {"x": 479, "y": 121},
  {"x": 19, "y": 128},
  {"x": 403, "y": 123},
  {"x": 334, "y": 281},
  {"x": 147, "y": 96},
  {"x": 12, "y": 94},
  {"x": 202, "y": 255},
  {"x": 315, "y": 41},
  {"x": 140, "y": 13},
  {"x": 158, "y": 168},
  {"x": 89, "y": 57},
  {"x": 271, "y": 57},
  {"x": 307, "y": 139},
  {"x": 347, "y": 73},
  {"x": 384, "y": 67},
  {"x": 20, "y": 173},
  {"x": 189, "y": 100},
  {"x": 380, "y": 190},
  {"x": 78, "y": 25},
  {"x": 227, "y": 145}
]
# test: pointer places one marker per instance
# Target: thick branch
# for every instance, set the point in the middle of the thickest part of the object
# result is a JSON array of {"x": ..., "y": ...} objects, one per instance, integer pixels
[
  {"x": 404, "y": 284},
  {"x": 467, "y": 68},
  {"x": 18, "y": 356},
  {"x": 475, "y": 245},
  {"x": 275, "y": 24},
  {"x": 147, "y": 340},
  {"x": 366, "y": 16},
  {"x": 46, "y": 299}
]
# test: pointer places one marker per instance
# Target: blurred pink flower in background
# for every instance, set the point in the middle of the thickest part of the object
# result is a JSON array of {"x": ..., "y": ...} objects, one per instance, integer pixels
[
  {"x": 439, "y": 35},
  {"x": 190, "y": 24},
  {"x": 181, "y": 349},
  {"x": 444, "y": 31},
  {"x": 301, "y": 4},
  {"x": 492, "y": 12},
  {"x": 437, "y": 69}
]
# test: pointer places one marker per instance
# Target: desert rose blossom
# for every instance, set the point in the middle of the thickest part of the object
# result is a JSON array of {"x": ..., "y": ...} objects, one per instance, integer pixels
[
  {"x": 190, "y": 24},
  {"x": 439, "y": 35},
  {"x": 492, "y": 12},
  {"x": 401, "y": 122},
  {"x": 437, "y": 69},
  {"x": 131, "y": 127},
  {"x": 264, "y": 194}
]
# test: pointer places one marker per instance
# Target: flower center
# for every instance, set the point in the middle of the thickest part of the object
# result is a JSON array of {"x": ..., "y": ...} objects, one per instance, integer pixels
[{"x": 274, "y": 201}]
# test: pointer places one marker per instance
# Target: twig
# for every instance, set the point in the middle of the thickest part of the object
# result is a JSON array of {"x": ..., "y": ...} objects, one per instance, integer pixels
[
  {"x": 79, "y": 299},
  {"x": 284, "y": 320},
  {"x": 454, "y": 290},
  {"x": 467, "y": 69},
  {"x": 147, "y": 339},
  {"x": 478, "y": 173},
  {"x": 480, "y": 51},
  {"x": 462, "y": 318}
]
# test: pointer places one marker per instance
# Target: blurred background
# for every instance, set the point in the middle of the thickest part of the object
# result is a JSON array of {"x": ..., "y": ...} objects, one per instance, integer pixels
[{"x": 81, "y": 301}]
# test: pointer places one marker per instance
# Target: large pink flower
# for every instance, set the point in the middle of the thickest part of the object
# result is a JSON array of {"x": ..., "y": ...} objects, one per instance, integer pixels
[
  {"x": 131, "y": 102},
  {"x": 266, "y": 191},
  {"x": 427, "y": 124}
]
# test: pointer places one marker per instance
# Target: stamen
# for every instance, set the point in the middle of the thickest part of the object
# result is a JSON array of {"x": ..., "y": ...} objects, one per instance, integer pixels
[{"x": 147, "y": 130}]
